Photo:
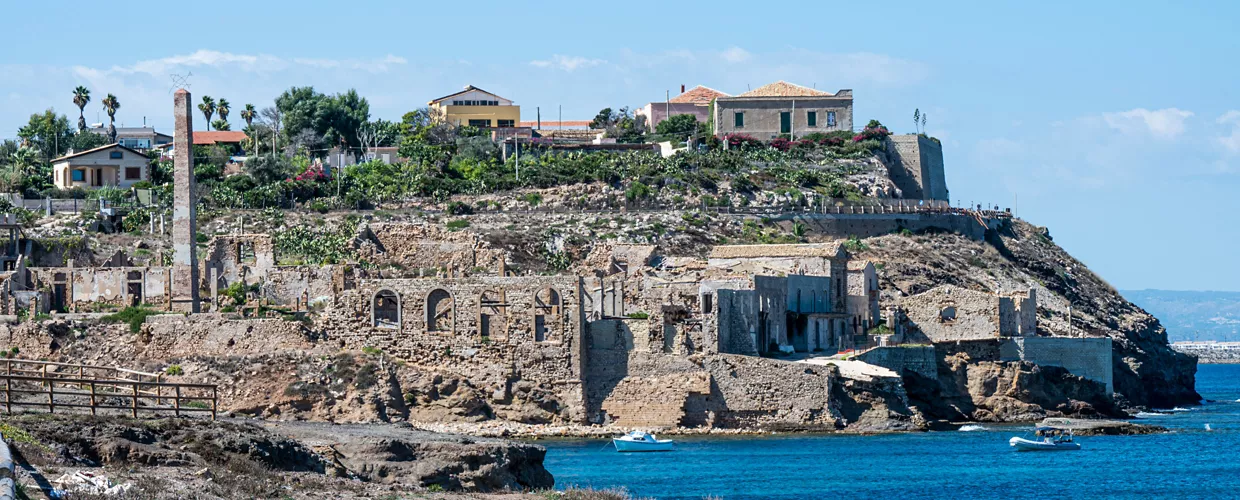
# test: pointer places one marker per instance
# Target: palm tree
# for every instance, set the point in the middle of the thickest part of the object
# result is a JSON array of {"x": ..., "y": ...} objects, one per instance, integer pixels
[
  {"x": 111, "y": 104},
  {"x": 208, "y": 108},
  {"x": 222, "y": 109},
  {"x": 248, "y": 115},
  {"x": 81, "y": 97}
]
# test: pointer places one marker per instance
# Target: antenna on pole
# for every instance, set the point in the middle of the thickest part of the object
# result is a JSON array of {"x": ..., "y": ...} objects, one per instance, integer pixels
[{"x": 180, "y": 81}]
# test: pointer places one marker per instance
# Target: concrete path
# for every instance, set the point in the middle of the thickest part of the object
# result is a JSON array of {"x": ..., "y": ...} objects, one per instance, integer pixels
[{"x": 859, "y": 370}]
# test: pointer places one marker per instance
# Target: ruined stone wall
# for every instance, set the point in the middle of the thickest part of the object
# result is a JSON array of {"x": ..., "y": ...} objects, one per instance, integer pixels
[
  {"x": 653, "y": 389},
  {"x": 85, "y": 288},
  {"x": 748, "y": 391},
  {"x": 426, "y": 246},
  {"x": 977, "y": 350},
  {"x": 291, "y": 284},
  {"x": 441, "y": 324},
  {"x": 863, "y": 296},
  {"x": 949, "y": 313},
  {"x": 239, "y": 257},
  {"x": 737, "y": 321},
  {"x": 871, "y": 225},
  {"x": 918, "y": 359},
  {"x": 1088, "y": 358}
]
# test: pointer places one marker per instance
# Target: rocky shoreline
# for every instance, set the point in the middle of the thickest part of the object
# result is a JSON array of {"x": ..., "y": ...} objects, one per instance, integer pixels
[{"x": 231, "y": 458}]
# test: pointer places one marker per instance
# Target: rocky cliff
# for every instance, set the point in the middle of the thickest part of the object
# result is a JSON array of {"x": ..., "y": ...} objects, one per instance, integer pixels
[{"x": 1147, "y": 372}]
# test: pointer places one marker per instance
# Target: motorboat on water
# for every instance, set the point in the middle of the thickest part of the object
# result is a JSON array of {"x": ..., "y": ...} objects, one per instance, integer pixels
[
  {"x": 1049, "y": 439},
  {"x": 642, "y": 441}
]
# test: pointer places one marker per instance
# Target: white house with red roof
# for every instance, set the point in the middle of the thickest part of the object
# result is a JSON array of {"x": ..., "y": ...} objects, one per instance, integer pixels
[{"x": 112, "y": 166}]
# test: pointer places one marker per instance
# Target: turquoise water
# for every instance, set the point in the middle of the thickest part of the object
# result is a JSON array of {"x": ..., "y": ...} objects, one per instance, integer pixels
[{"x": 1190, "y": 462}]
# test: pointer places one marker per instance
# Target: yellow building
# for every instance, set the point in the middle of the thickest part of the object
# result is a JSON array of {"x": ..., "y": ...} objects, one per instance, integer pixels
[{"x": 477, "y": 108}]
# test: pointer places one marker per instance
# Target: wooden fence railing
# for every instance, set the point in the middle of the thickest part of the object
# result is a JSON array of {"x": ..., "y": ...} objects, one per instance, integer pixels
[{"x": 50, "y": 385}]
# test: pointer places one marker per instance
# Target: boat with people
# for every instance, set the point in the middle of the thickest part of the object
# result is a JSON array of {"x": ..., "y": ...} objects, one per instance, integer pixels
[
  {"x": 1049, "y": 439},
  {"x": 642, "y": 441}
]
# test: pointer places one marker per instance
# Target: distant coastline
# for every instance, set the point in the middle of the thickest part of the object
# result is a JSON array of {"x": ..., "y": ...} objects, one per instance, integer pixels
[{"x": 1211, "y": 352}]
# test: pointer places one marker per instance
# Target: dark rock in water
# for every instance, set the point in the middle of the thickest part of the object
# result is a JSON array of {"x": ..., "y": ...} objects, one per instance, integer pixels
[{"x": 1085, "y": 427}]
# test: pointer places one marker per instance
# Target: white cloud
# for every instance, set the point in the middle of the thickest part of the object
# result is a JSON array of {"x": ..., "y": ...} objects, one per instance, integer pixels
[
  {"x": 1230, "y": 142},
  {"x": 735, "y": 55},
  {"x": 1167, "y": 123},
  {"x": 256, "y": 63},
  {"x": 1232, "y": 117},
  {"x": 380, "y": 65},
  {"x": 567, "y": 63}
]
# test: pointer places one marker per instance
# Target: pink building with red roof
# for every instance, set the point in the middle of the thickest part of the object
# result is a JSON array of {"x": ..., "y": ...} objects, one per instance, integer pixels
[{"x": 696, "y": 101}]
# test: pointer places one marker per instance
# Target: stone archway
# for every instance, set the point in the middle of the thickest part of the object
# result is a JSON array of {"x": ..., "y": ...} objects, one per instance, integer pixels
[
  {"x": 385, "y": 310},
  {"x": 492, "y": 315},
  {"x": 440, "y": 311},
  {"x": 548, "y": 317}
]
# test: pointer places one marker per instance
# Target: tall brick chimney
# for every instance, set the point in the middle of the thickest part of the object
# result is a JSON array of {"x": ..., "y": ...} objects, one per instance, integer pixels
[{"x": 184, "y": 206}]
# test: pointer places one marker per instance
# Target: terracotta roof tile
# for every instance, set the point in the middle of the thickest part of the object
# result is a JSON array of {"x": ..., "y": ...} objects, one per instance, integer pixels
[
  {"x": 698, "y": 95},
  {"x": 784, "y": 89},
  {"x": 216, "y": 136}
]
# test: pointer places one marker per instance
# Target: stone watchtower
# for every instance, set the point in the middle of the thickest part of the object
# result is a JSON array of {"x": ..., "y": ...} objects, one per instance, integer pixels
[{"x": 184, "y": 207}]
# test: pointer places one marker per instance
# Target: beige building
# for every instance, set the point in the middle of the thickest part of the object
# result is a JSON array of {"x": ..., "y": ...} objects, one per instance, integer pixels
[
  {"x": 113, "y": 165},
  {"x": 477, "y": 108},
  {"x": 783, "y": 108}
]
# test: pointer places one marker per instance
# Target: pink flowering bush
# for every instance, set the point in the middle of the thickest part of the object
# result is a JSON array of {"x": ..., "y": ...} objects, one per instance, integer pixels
[
  {"x": 872, "y": 131},
  {"x": 742, "y": 141},
  {"x": 780, "y": 143},
  {"x": 314, "y": 172}
]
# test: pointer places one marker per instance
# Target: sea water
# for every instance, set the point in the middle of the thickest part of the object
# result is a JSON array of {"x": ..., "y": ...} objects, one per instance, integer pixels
[{"x": 1189, "y": 462}]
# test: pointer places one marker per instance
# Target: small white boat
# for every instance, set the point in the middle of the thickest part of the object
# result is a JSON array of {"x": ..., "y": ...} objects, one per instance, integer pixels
[
  {"x": 641, "y": 441},
  {"x": 1049, "y": 439}
]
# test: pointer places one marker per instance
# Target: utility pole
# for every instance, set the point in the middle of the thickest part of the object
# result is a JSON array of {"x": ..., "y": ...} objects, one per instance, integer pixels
[
  {"x": 667, "y": 105},
  {"x": 1069, "y": 319},
  {"x": 792, "y": 122}
]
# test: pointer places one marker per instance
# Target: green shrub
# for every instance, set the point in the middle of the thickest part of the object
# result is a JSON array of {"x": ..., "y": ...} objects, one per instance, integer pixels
[
  {"x": 174, "y": 370},
  {"x": 637, "y": 191},
  {"x": 459, "y": 208},
  {"x": 854, "y": 244},
  {"x": 457, "y": 225},
  {"x": 639, "y": 315},
  {"x": 134, "y": 316},
  {"x": 533, "y": 199}
]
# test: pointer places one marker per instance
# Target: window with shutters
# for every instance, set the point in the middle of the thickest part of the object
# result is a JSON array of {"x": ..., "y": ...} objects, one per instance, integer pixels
[
  {"x": 738, "y": 119},
  {"x": 811, "y": 118}
]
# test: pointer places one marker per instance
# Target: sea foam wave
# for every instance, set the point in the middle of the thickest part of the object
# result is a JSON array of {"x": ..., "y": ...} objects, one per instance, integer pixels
[{"x": 971, "y": 428}]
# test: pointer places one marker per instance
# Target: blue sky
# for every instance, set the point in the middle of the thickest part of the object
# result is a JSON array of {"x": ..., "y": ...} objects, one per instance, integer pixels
[{"x": 1117, "y": 124}]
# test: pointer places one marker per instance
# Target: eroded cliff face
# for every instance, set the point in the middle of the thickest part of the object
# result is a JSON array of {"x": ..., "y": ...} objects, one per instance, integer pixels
[
  {"x": 991, "y": 391},
  {"x": 1147, "y": 372}
]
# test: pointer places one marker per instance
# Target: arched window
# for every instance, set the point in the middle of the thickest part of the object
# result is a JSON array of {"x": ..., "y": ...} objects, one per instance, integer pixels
[
  {"x": 385, "y": 309},
  {"x": 492, "y": 315},
  {"x": 440, "y": 311},
  {"x": 547, "y": 315}
]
